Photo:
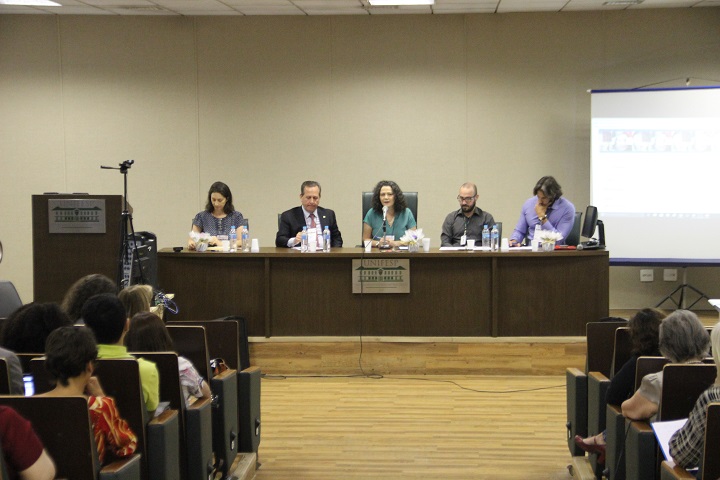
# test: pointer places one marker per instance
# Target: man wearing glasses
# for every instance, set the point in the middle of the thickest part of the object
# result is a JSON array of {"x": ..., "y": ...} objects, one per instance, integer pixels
[{"x": 467, "y": 222}]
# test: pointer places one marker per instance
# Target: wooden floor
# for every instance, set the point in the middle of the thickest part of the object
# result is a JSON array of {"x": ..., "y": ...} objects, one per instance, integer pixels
[{"x": 414, "y": 428}]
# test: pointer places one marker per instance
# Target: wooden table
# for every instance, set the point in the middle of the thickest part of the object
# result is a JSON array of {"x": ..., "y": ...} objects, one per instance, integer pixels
[{"x": 282, "y": 292}]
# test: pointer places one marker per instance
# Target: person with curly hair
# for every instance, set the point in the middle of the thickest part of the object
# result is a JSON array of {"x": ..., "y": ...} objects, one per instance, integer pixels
[
  {"x": 27, "y": 328},
  {"x": 84, "y": 288},
  {"x": 389, "y": 208}
]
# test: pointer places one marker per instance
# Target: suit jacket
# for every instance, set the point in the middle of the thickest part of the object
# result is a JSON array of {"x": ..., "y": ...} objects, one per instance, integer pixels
[{"x": 292, "y": 221}]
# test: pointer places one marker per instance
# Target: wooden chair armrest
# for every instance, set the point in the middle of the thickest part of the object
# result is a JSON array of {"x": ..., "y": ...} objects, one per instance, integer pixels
[
  {"x": 124, "y": 468},
  {"x": 164, "y": 417},
  {"x": 668, "y": 472}
]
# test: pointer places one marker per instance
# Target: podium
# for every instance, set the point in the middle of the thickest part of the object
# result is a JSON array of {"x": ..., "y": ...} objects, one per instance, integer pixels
[{"x": 59, "y": 259}]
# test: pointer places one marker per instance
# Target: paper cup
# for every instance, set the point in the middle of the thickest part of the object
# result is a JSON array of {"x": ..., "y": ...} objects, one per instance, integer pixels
[
  {"x": 255, "y": 246},
  {"x": 368, "y": 246},
  {"x": 225, "y": 244},
  {"x": 470, "y": 245},
  {"x": 426, "y": 244},
  {"x": 505, "y": 245}
]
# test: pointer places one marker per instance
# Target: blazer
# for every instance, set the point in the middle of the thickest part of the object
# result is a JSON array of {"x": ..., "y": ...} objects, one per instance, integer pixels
[{"x": 292, "y": 221}]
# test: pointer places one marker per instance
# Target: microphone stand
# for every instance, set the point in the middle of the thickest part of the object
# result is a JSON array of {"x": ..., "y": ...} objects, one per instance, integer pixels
[{"x": 384, "y": 244}]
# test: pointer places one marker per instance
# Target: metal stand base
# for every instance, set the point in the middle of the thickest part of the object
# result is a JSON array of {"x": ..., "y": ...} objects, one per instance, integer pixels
[{"x": 681, "y": 288}]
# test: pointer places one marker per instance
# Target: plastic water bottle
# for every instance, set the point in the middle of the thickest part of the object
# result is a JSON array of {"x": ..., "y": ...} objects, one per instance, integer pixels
[
  {"x": 303, "y": 240},
  {"x": 494, "y": 240},
  {"x": 233, "y": 239},
  {"x": 326, "y": 239},
  {"x": 535, "y": 242},
  {"x": 485, "y": 236},
  {"x": 245, "y": 239}
]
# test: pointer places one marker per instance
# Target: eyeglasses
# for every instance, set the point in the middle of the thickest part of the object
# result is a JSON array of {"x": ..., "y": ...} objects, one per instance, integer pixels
[{"x": 465, "y": 199}]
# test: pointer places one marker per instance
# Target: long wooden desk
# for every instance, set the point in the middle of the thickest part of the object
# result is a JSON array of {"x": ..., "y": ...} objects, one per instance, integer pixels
[{"x": 282, "y": 292}]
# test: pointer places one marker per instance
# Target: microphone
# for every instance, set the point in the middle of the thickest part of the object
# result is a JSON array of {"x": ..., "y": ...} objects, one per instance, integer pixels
[{"x": 385, "y": 209}]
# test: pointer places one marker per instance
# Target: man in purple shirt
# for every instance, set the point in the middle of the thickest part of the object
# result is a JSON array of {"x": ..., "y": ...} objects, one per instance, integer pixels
[{"x": 547, "y": 209}]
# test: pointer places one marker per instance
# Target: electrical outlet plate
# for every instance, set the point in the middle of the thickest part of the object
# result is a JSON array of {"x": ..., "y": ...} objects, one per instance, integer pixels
[
  {"x": 647, "y": 275},
  {"x": 670, "y": 275}
]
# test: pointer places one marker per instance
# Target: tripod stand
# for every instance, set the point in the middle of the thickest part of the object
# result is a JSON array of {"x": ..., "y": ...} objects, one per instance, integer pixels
[
  {"x": 681, "y": 288},
  {"x": 128, "y": 244}
]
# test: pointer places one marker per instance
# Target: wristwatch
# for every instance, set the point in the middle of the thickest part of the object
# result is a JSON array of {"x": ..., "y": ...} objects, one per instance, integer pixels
[{"x": 544, "y": 217}]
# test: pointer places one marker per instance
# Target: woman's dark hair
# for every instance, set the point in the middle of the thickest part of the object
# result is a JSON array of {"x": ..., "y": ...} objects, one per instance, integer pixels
[
  {"x": 27, "y": 328},
  {"x": 80, "y": 291},
  {"x": 224, "y": 190},
  {"x": 68, "y": 351},
  {"x": 645, "y": 332},
  {"x": 400, "y": 203},
  {"x": 148, "y": 333},
  {"x": 550, "y": 187}
]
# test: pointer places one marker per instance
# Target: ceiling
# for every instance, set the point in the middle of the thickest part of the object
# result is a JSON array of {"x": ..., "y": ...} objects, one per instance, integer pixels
[{"x": 331, "y": 7}]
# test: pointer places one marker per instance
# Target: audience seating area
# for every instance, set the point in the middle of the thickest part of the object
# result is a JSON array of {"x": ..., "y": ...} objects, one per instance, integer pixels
[
  {"x": 632, "y": 452},
  {"x": 201, "y": 441}
]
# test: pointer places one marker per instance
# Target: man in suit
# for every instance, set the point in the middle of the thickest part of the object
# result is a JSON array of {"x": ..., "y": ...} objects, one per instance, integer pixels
[{"x": 310, "y": 215}]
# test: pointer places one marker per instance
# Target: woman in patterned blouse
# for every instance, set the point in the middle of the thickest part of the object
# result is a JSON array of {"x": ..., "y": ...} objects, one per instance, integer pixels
[
  {"x": 219, "y": 215},
  {"x": 70, "y": 354}
]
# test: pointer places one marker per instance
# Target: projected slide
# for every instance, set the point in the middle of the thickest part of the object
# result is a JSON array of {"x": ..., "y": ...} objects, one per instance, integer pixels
[{"x": 655, "y": 172}]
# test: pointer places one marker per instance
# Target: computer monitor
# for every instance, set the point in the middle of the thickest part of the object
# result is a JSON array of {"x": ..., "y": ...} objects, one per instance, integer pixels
[
  {"x": 588, "y": 230},
  {"x": 590, "y": 223}
]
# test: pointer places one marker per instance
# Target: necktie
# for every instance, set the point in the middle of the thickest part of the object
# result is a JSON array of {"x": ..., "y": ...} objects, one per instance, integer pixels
[{"x": 312, "y": 220}]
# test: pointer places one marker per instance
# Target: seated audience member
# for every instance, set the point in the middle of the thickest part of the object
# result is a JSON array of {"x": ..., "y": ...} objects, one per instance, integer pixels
[
  {"x": 70, "y": 354},
  {"x": 27, "y": 328},
  {"x": 105, "y": 316},
  {"x": 398, "y": 218},
  {"x": 84, "y": 288},
  {"x": 644, "y": 329},
  {"x": 25, "y": 457},
  {"x": 219, "y": 215},
  {"x": 686, "y": 445},
  {"x": 309, "y": 214},
  {"x": 149, "y": 334},
  {"x": 136, "y": 299},
  {"x": 17, "y": 386},
  {"x": 467, "y": 222},
  {"x": 546, "y": 208},
  {"x": 683, "y": 339}
]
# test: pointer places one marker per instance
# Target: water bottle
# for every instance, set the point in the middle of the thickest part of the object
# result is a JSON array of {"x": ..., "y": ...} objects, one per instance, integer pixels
[
  {"x": 485, "y": 236},
  {"x": 303, "y": 240},
  {"x": 494, "y": 240},
  {"x": 535, "y": 242},
  {"x": 245, "y": 239},
  {"x": 233, "y": 239},
  {"x": 326, "y": 239}
]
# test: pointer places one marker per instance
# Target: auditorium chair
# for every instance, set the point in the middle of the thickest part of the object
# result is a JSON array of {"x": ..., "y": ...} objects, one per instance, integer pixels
[
  {"x": 710, "y": 464},
  {"x": 600, "y": 340},
  {"x": 227, "y": 339},
  {"x": 9, "y": 298},
  {"x": 682, "y": 385},
  {"x": 158, "y": 438},
  {"x": 190, "y": 341},
  {"x": 616, "y": 424},
  {"x": 64, "y": 427},
  {"x": 195, "y": 419}
]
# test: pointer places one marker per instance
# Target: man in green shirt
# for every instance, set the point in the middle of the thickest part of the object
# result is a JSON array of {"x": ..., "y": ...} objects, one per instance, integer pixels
[{"x": 104, "y": 314}]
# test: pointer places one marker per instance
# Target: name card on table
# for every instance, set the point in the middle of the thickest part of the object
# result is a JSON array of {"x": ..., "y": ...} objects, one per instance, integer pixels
[
  {"x": 76, "y": 216},
  {"x": 381, "y": 275}
]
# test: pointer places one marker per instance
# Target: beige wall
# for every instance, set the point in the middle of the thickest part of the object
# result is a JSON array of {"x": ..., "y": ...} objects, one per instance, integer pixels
[{"x": 264, "y": 103}]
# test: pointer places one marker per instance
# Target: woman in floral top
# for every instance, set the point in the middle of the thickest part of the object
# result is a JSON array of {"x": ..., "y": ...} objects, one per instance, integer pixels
[
  {"x": 148, "y": 333},
  {"x": 70, "y": 354}
]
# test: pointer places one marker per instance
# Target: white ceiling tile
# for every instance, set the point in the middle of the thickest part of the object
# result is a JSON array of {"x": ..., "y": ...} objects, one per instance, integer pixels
[
  {"x": 336, "y": 11},
  {"x": 400, "y": 10},
  {"x": 328, "y": 5},
  {"x": 258, "y": 3},
  {"x": 460, "y": 9},
  {"x": 21, "y": 10}
]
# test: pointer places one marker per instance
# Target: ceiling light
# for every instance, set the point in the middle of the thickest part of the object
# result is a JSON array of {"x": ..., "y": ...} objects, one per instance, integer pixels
[
  {"x": 384, "y": 3},
  {"x": 615, "y": 3},
  {"x": 31, "y": 3}
]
